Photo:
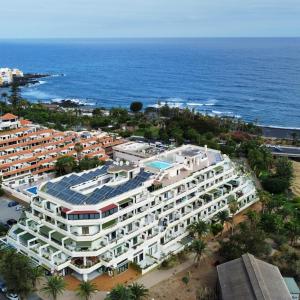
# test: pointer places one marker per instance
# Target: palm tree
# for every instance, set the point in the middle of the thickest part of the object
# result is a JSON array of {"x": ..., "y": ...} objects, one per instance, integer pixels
[
  {"x": 37, "y": 273},
  {"x": 138, "y": 291},
  {"x": 86, "y": 289},
  {"x": 222, "y": 217},
  {"x": 120, "y": 292},
  {"x": 78, "y": 148},
  {"x": 199, "y": 247},
  {"x": 65, "y": 165},
  {"x": 54, "y": 286},
  {"x": 198, "y": 229},
  {"x": 233, "y": 208},
  {"x": 4, "y": 96},
  {"x": 264, "y": 198}
]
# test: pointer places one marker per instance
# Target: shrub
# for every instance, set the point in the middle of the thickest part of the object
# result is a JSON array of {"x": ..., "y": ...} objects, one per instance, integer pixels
[{"x": 275, "y": 185}]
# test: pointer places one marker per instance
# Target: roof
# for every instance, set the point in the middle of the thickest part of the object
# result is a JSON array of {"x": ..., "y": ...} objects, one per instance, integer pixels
[
  {"x": 291, "y": 285},
  {"x": 62, "y": 189},
  {"x": 249, "y": 278},
  {"x": 25, "y": 122},
  {"x": 8, "y": 116}
]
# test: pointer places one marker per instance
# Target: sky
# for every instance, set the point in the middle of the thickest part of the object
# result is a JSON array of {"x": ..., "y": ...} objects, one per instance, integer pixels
[{"x": 148, "y": 18}]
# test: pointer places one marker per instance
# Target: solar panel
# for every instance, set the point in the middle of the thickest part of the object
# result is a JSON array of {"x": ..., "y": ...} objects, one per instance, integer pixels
[{"x": 61, "y": 189}]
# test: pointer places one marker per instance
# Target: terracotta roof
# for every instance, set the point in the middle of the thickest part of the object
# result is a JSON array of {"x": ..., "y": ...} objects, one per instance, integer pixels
[
  {"x": 25, "y": 122},
  {"x": 8, "y": 116}
]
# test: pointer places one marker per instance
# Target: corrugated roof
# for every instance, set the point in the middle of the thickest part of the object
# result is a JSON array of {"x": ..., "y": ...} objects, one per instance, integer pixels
[{"x": 249, "y": 278}]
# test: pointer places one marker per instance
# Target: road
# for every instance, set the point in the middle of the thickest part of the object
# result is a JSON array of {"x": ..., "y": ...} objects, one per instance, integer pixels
[{"x": 284, "y": 150}]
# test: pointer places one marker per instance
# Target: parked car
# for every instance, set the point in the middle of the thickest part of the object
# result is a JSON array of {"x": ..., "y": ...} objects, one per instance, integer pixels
[
  {"x": 11, "y": 222},
  {"x": 12, "y": 296},
  {"x": 19, "y": 207},
  {"x": 3, "y": 286},
  {"x": 12, "y": 203}
]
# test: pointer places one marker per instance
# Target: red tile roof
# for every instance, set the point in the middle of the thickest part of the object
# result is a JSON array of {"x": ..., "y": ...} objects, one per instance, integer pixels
[{"x": 8, "y": 116}]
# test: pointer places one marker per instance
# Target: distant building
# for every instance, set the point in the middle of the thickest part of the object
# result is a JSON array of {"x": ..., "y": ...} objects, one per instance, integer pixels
[
  {"x": 292, "y": 287},
  {"x": 249, "y": 278},
  {"x": 7, "y": 75},
  {"x": 9, "y": 122}
]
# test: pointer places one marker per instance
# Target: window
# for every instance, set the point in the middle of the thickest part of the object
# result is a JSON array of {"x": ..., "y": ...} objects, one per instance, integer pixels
[
  {"x": 85, "y": 230},
  {"x": 109, "y": 212}
]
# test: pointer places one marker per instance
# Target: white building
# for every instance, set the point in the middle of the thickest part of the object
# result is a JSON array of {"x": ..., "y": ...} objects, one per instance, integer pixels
[
  {"x": 7, "y": 75},
  {"x": 101, "y": 220}
]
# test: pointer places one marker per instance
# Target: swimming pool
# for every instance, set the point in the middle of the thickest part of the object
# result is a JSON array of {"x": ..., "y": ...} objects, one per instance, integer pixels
[
  {"x": 158, "y": 164},
  {"x": 32, "y": 190}
]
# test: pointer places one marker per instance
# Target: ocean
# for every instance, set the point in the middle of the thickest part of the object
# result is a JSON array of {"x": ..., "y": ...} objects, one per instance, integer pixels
[{"x": 256, "y": 79}]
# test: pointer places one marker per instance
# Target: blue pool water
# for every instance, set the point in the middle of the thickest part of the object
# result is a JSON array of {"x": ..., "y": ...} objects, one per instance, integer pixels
[
  {"x": 32, "y": 190},
  {"x": 162, "y": 165}
]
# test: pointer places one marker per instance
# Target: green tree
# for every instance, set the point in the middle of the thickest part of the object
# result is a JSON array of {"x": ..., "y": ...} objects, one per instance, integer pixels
[
  {"x": 65, "y": 165},
  {"x": 216, "y": 228},
  {"x": 36, "y": 275},
  {"x": 284, "y": 168},
  {"x": 233, "y": 208},
  {"x": 17, "y": 271},
  {"x": 4, "y": 96},
  {"x": 275, "y": 184},
  {"x": 136, "y": 106},
  {"x": 89, "y": 163},
  {"x": 264, "y": 198},
  {"x": 14, "y": 97},
  {"x": 292, "y": 230},
  {"x": 86, "y": 290},
  {"x": 246, "y": 239},
  {"x": 120, "y": 292},
  {"x": 198, "y": 247},
  {"x": 198, "y": 229},
  {"x": 54, "y": 286},
  {"x": 222, "y": 217},
  {"x": 138, "y": 291}
]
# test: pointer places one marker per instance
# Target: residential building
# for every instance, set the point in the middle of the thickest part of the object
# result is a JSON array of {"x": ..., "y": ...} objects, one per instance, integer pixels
[
  {"x": 249, "y": 278},
  {"x": 135, "y": 151},
  {"x": 28, "y": 151},
  {"x": 101, "y": 220},
  {"x": 7, "y": 75}
]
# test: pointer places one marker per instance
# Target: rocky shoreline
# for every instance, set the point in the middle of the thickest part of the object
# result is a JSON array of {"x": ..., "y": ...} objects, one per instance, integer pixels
[{"x": 26, "y": 80}]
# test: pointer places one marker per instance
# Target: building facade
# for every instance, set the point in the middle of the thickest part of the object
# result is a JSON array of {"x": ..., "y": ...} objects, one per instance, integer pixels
[
  {"x": 99, "y": 221},
  {"x": 28, "y": 151}
]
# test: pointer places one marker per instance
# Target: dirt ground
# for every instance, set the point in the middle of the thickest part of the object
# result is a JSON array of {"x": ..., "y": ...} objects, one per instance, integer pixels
[
  {"x": 105, "y": 282},
  {"x": 203, "y": 275},
  {"x": 296, "y": 180}
]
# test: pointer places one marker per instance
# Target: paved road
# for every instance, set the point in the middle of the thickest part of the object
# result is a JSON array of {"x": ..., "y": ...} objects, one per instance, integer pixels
[{"x": 284, "y": 150}]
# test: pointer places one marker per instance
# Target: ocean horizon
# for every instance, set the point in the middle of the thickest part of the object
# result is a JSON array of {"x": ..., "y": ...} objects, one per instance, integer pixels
[{"x": 256, "y": 79}]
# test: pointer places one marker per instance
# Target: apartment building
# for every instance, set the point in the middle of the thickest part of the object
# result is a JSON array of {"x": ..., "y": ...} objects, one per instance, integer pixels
[
  {"x": 99, "y": 221},
  {"x": 28, "y": 151},
  {"x": 7, "y": 75}
]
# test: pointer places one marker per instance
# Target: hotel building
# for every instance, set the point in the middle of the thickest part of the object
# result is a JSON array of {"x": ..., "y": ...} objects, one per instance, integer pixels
[
  {"x": 28, "y": 151},
  {"x": 100, "y": 220}
]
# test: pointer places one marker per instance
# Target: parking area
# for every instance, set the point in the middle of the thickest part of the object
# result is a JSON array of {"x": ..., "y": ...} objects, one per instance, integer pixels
[{"x": 7, "y": 212}]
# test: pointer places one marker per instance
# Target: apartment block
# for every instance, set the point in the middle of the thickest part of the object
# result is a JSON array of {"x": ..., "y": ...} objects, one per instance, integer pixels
[
  {"x": 99, "y": 221},
  {"x": 28, "y": 151}
]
